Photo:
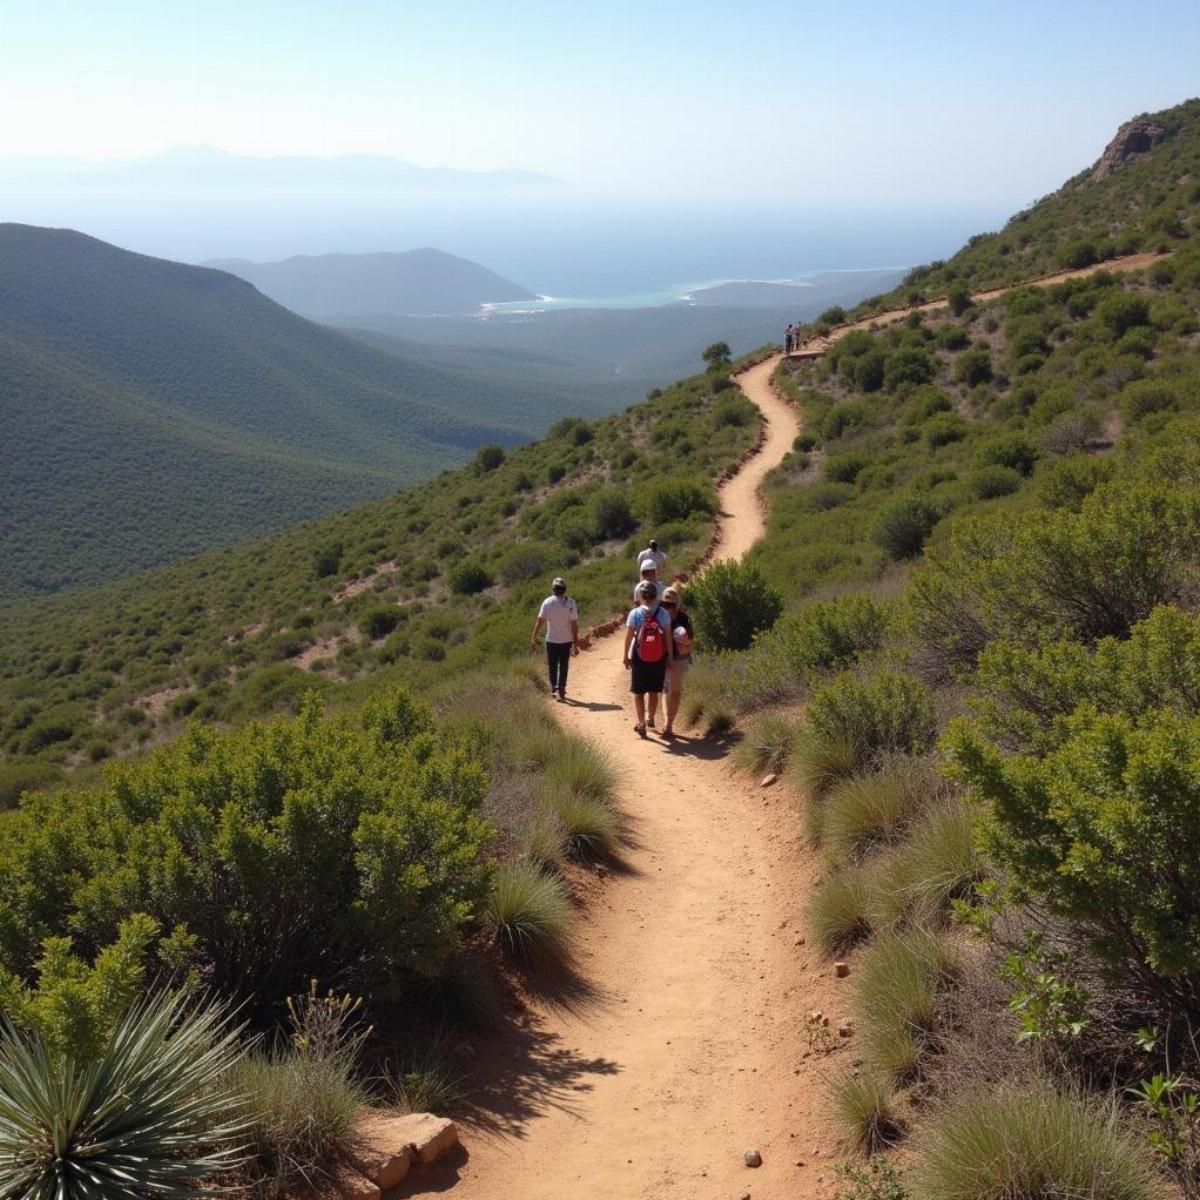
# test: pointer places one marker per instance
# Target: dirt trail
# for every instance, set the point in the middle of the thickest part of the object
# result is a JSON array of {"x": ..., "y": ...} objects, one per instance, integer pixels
[
  {"x": 682, "y": 1044},
  {"x": 816, "y": 347}
]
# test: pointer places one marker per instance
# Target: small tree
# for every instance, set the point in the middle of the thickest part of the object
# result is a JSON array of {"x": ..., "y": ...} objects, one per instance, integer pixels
[
  {"x": 901, "y": 528},
  {"x": 717, "y": 355},
  {"x": 959, "y": 299},
  {"x": 488, "y": 458},
  {"x": 468, "y": 578},
  {"x": 732, "y": 602}
]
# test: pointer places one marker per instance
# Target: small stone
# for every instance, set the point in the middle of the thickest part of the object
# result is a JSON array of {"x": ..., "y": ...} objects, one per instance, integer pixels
[
  {"x": 815, "y": 1015},
  {"x": 845, "y": 1029},
  {"x": 841, "y": 969},
  {"x": 800, "y": 941},
  {"x": 767, "y": 780},
  {"x": 753, "y": 1158}
]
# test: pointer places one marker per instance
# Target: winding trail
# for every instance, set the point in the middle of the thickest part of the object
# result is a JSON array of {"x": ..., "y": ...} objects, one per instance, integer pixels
[{"x": 681, "y": 1044}]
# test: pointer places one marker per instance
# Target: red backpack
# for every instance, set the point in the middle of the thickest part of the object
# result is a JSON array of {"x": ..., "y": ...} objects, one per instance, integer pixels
[{"x": 651, "y": 639}]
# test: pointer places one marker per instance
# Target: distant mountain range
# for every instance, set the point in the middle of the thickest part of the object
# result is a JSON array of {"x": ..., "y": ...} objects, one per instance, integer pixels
[
  {"x": 344, "y": 288},
  {"x": 199, "y": 167},
  {"x": 152, "y": 409}
]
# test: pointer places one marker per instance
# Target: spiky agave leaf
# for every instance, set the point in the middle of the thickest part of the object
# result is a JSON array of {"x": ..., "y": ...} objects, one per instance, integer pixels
[{"x": 151, "y": 1117}]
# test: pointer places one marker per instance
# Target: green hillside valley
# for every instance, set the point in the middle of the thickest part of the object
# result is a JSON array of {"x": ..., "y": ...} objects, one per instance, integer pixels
[
  {"x": 311, "y": 887},
  {"x": 153, "y": 410}
]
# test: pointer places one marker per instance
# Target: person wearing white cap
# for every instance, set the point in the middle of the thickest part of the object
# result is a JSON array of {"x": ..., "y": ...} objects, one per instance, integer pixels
[
  {"x": 652, "y": 551},
  {"x": 560, "y": 617},
  {"x": 649, "y": 571}
]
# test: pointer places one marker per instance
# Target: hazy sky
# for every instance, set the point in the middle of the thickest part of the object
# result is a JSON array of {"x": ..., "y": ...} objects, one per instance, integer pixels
[{"x": 870, "y": 104}]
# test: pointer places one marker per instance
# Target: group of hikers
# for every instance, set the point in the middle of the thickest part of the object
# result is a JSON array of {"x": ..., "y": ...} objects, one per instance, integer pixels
[
  {"x": 658, "y": 641},
  {"x": 793, "y": 338}
]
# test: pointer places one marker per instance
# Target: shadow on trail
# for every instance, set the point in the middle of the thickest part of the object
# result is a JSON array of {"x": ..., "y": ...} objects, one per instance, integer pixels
[
  {"x": 527, "y": 1073},
  {"x": 591, "y": 705},
  {"x": 707, "y": 749},
  {"x": 440, "y": 1177}
]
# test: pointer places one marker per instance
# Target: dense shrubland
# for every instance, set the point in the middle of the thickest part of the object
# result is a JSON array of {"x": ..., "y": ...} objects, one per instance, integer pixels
[
  {"x": 428, "y": 582},
  {"x": 985, "y": 687}
]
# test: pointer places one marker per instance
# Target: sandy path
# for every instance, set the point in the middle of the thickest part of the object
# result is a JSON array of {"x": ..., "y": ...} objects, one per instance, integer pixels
[
  {"x": 816, "y": 347},
  {"x": 682, "y": 1045}
]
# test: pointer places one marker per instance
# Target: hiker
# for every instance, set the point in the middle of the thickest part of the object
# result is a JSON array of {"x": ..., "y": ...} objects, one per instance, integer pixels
[
  {"x": 649, "y": 572},
  {"x": 681, "y": 656},
  {"x": 647, "y": 653},
  {"x": 789, "y": 338},
  {"x": 560, "y": 616},
  {"x": 652, "y": 551}
]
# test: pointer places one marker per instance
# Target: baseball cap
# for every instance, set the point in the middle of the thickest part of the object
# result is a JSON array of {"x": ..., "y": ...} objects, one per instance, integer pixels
[
  {"x": 647, "y": 564},
  {"x": 559, "y": 582}
]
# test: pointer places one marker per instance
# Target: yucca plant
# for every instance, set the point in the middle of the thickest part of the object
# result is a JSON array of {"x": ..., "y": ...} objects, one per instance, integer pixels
[{"x": 150, "y": 1116}]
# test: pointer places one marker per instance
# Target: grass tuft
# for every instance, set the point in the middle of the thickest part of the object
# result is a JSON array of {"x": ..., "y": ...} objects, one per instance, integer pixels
[
  {"x": 863, "y": 1105},
  {"x": 767, "y": 745},
  {"x": 591, "y": 829},
  {"x": 818, "y": 761},
  {"x": 900, "y": 980},
  {"x": 1031, "y": 1145},
  {"x": 838, "y": 913},
  {"x": 868, "y": 811},
  {"x": 426, "y": 1080},
  {"x": 530, "y": 915}
]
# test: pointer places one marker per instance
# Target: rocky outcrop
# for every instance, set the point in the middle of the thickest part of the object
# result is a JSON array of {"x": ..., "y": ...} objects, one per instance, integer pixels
[
  {"x": 1134, "y": 138},
  {"x": 389, "y": 1148}
]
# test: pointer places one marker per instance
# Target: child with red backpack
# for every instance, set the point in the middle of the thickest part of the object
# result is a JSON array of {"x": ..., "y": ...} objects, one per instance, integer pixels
[{"x": 648, "y": 652}]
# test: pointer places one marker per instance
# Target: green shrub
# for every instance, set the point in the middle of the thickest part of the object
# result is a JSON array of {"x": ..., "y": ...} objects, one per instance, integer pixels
[
  {"x": 1103, "y": 829},
  {"x": 844, "y": 468},
  {"x": 377, "y": 623},
  {"x": 973, "y": 367},
  {"x": 826, "y": 635},
  {"x": 958, "y": 298},
  {"x": 1145, "y": 396},
  {"x": 469, "y": 577},
  {"x": 1032, "y": 1144},
  {"x": 522, "y": 562},
  {"x": 154, "y": 1101},
  {"x": 864, "y": 1108},
  {"x": 731, "y": 603},
  {"x": 869, "y": 811},
  {"x": 350, "y": 846},
  {"x": 885, "y": 713},
  {"x": 987, "y": 483},
  {"x": 17, "y": 777},
  {"x": 900, "y": 979},
  {"x": 1013, "y": 450},
  {"x": 675, "y": 498},
  {"x": 908, "y": 365},
  {"x": 529, "y": 915},
  {"x": 1081, "y": 252},
  {"x": 1122, "y": 311},
  {"x": 901, "y": 528},
  {"x": 838, "y": 913},
  {"x": 869, "y": 371},
  {"x": 488, "y": 458},
  {"x": 944, "y": 428},
  {"x": 610, "y": 516}
]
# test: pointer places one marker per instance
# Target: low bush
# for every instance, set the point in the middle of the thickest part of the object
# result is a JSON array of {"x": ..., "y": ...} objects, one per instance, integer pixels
[
  {"x": 864, "y": 1108},
  {"x": 986, "y": 483},
  {"x": 818, "y": 762},
  {"x": 731, "y": 603},
  {"x": 469, "y": 577},
  {"x": 901, "y": 528},
  {"x": 675, "y": 498},
  {"x": 838, "y": 912},
  {"x": 896, "y": 999},
  {"x": 1031, "y": 1144},
  {"x": 529, "y": 915},
  {"x": 845, "y": 468},
  {"x": 1013, "y": 450}
]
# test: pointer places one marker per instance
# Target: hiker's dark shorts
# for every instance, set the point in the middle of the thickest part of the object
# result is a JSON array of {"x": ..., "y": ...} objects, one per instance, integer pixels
[{"x": 647, "y": 677}]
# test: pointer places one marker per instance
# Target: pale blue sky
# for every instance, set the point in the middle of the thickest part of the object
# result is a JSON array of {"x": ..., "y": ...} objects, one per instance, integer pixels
[{"x": 872, "y": 104}]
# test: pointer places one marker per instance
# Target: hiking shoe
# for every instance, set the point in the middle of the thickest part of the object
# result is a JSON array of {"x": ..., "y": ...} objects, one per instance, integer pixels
[
  {"x": 650, "y": 722},
  {"x": 562, "y": 696},
  {"x": 640, "y": 730}
]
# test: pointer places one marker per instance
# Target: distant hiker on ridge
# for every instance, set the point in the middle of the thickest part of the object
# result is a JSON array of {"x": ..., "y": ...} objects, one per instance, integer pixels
[
  {"x": 649, "y": 572},
  {"x": 652, "y": 551},
  {"x": 789, "y": 338},
  {"x": 647, "y": 653},
  {"x": 560, "y": 616}
]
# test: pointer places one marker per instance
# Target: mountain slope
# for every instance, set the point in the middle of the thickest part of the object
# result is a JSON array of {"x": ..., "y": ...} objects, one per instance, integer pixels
[
  {"x": 152, "y": 409},
  {"x": 343, "y": 287},
  {"x": 1143, "y": 193}
]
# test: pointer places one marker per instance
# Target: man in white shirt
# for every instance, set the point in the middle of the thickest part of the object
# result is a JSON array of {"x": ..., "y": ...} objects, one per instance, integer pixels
[
  {"x": 652, "y": 551},
  {"x": 649, "y": 571},
  {"x": 560, "y": 617}
]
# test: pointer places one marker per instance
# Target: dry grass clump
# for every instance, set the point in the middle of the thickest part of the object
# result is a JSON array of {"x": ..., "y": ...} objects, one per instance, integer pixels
[
  {"x": 936, "y": 863},
  {"x": 864, "y": 1106},
  {"x": 838, "y": 912},
  {"x": 529, "y": 914},
  {"x": 900, "y": 980},
  {"x": 767, "y": 744},
  {"x": 869, "y": 811},
  {"x": 1033, "y": 1145}
]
